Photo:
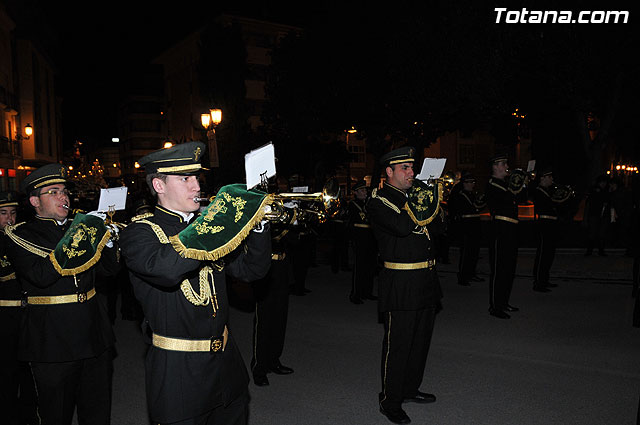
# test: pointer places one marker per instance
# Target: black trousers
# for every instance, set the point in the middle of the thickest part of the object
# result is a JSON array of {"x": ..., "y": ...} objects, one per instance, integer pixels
[
  {"x": 546, "y": 251},
  {"x": 85, "y": 384},
  {"x": 18, "y": 404},
  {"x": 405, "y": 346},
  {"x": 470, "y": 234},
  {"x": 300, "y": 262},
  {"x": 503, "y": 256},
  {"x": 270, "y": 320},
  {"x": 235, "y": 413},
  {"x": 364, "y": 267}
]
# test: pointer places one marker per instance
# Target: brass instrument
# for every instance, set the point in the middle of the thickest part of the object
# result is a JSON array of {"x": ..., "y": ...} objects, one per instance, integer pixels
[
  {"x": 322, "y": 205},
  {"x": 561, "y": 193},
  {"x": 518, "y": 179},
  {"x": 108, "y": 221}
]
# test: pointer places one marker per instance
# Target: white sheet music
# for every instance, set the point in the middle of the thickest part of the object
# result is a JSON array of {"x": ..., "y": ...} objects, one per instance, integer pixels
[
  {"x": 431, "y": 168},
  {"x": 115, "y": 197},
  {"x": 259, "y": 162},
  {"x": 531, "y": 165}
]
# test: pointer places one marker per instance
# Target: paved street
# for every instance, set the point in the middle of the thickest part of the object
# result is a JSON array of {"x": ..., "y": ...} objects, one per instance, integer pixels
[{"x": 568, "y": 357}]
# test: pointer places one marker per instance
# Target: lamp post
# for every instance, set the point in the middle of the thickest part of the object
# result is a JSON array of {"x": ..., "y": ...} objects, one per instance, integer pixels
[
  {"x": 209, "y": 122},
  {"x": 352, "y": 130}
]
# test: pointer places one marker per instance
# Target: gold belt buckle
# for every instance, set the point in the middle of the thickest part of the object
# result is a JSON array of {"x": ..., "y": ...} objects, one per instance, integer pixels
[
  {"x": 216, "y": 345},
  {"x": 82, "y": 297}
]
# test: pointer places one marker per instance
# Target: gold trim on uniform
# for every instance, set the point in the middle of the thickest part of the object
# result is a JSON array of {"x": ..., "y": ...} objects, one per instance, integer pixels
[
  {"x": 7, "y": 277},
  {"x": 10, "y": 303},
  {"x": 548, "y": 217},
  {"x": 141, "y": 216},
  {"x": 507, "y": 219},
  {"x": 80, "y": 297},
  {"x": 470, "y": 215},
  {"x": 179, "y": 168},
  {"x": 385, "y": 201},
  {"x": 364, "y": 226},
  {"x": 410, "y": 266},
  {"x": 191, "y": 345},
  {"x": 279, "y": 257},
  {"x": 25, "y": 244}
]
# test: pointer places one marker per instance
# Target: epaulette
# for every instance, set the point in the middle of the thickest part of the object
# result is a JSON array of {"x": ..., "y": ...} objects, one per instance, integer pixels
[{"x": 141, "y": 217}]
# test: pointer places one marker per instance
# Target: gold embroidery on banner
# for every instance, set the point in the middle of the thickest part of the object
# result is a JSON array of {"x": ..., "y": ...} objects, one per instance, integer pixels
[
  {"x": 71, "y": 252},
  {"x": 4, "y": 262}
]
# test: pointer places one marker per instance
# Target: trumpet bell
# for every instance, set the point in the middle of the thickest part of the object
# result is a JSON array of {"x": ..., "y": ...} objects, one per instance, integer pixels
[{"x": 324, "y": 205}]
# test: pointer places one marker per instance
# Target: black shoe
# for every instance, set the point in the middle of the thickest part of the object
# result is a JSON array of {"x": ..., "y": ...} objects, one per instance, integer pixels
[
  {"x": 511, "y": 308},
  {"x": 477, "y": 279},
  {"x": 261, "y": 380},
  {"x": 464, "y": 283},
  {"x": 541, "y": 289},
  {"x": 281, "y": 370},
  {"x": 397, "y": 416},
  {"x": 356, "y": 300},
  {"x": 421, "y": 398},
  {"x": 498, "y": 313}
]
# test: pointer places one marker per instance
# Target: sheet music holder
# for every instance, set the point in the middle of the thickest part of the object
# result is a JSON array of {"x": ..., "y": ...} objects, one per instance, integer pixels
[
  {"x": 259, "y": 165},
  {"x": 431, "y": 168},
  {"x": 531, "y": 165},
  {"x": 114, "y": 199}
]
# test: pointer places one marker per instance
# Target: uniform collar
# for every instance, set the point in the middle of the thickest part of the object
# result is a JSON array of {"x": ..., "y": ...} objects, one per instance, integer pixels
[
  {"x": 173, "y": 215},
  {"x": 53, "y": 220},
  {"x": 390, "y": 186}
]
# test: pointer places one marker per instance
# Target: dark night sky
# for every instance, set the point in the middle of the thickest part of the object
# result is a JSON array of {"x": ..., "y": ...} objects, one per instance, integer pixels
[{"x": 101, "y": 44}]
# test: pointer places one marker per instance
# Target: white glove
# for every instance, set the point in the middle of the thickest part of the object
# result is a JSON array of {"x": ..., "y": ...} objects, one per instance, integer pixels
[{"x": 100, "y": 215}]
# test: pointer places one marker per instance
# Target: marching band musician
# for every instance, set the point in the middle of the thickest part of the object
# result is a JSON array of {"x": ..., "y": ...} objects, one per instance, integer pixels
[
  {"x": 502, "y": 200},
  {"x": 65, "y": 333},
  {"x": 364, "y": 245},
  {"x": 408, "y": 291},
  {"x": 272, "y": 304},
  {"x": 17, "y": 393},
  {"x": 546, "y": 214},
  {"x": 465, "y": 210},
  {"x": 194, "y": 370}
]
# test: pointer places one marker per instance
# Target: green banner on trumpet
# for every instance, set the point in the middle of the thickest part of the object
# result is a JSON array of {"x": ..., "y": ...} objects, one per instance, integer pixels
[
  {"x": 223, "y": 225},
  {"x": 423, "y": 202},
  {"x": 81, "y": 246}
]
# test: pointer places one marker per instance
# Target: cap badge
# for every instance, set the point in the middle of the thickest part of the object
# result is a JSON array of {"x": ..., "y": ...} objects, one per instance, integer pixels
[{"x": 196, "y": 153}]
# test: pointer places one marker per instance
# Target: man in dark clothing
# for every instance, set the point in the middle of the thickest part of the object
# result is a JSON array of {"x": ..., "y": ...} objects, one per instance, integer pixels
[
  {"x": 272, "y": 305},
  {"x": 547, "y": 226},
  {"x": 408, "y": 288},
  {"x": 194, "y": 371},
  {"x": 502, "y": 194},
  {"x": 17, "y": 390},
  {"x": 364, "y": 246},
  {"x": 597, "y": 216},
  {"x": 65, "y": 332},
  {"x": 464, "y": 207}
]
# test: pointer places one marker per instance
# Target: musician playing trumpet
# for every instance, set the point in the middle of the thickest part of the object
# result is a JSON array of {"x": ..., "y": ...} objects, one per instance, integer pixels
[
  {"x": 503, "y": 193},
  {"x": 546, "y": 202},
  {"x": 409, "y": 292},
  {"x": 194, "y": 370}
]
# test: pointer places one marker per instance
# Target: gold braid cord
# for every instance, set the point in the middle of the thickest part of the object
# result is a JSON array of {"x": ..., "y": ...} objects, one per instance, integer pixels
[
  {"x": 385, "y": 201},
  {"x": 25, "y": 244},
  {"x": 205, "y": 294}
]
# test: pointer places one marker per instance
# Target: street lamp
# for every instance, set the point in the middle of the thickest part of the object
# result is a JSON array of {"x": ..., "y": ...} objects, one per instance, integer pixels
[
  {"x": 209, "y": 122},
  {"x": 28, "y": 130}
]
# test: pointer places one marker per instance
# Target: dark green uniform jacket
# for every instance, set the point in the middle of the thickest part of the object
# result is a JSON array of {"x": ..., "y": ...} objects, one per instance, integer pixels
[
  {"x": 180, "y": 384},
  {"x": 401, "y": 241},
  {"x": 59, "y": 332}
]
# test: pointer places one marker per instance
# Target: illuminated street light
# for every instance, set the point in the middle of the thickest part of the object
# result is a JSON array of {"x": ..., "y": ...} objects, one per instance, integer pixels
[
  {"x": 28, "y": 130},
  {"x": 167, "y": 145}
]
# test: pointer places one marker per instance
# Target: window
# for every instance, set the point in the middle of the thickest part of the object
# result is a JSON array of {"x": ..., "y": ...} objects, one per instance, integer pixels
[{"x": 466, "y": 155}]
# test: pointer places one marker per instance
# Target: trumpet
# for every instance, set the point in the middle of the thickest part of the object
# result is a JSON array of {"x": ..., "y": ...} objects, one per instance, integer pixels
[
  {"x": 107, "y": 221},
  {"x": 324, "y": 205}
]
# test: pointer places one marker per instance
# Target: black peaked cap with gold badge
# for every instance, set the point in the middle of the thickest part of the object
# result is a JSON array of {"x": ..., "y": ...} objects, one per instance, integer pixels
[
  {"x": 398, "y": 156},
  {"x": 182, "y": 159},
  {"x": 44, "y": 176},
  {"x": 8, "y": 199}
]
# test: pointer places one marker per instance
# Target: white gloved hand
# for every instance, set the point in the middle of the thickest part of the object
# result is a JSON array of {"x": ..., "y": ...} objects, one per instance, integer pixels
[
  {"x": 260, "y": 227},
  {"x": 100, "y": 215}
]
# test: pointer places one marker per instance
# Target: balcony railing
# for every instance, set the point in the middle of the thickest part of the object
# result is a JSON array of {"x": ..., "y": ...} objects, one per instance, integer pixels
[{"x": 10, "y": 147}]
